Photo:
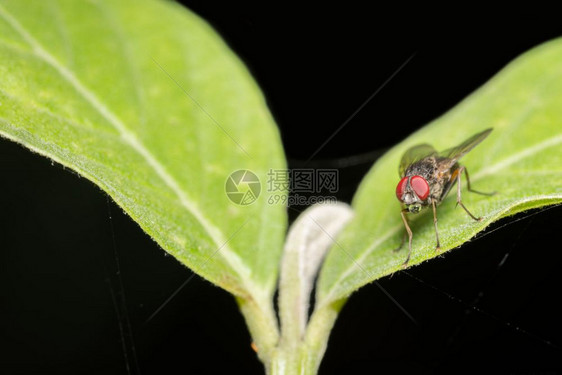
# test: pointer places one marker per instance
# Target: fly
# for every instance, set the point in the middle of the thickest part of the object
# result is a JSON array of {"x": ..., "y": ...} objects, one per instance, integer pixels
[{"x": 427, "y": 176}]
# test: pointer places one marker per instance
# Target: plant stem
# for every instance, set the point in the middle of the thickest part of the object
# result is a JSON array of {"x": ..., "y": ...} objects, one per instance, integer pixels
[
  {"x": 304, "y": 357},
  {"x": 318, "y": 332},
  {"x": 262, "y": 324}
]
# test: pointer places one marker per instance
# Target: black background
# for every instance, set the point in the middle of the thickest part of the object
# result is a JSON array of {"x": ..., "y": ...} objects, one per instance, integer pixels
[{"x": 62, "y": 297}]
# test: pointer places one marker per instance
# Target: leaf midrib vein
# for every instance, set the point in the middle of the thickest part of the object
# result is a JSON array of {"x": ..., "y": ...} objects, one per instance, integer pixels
[{"x": 227, "y": 253}]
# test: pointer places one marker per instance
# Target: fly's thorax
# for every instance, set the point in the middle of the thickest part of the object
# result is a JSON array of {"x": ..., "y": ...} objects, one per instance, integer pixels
[
  {"x": 442, "y": 179},
  {"x": 426, "y": 167},
  {"x": 436, "y": 189}
]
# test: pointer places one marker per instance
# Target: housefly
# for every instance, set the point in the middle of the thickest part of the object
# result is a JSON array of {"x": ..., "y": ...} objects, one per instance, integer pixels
[{"x": 427, "y": 176}]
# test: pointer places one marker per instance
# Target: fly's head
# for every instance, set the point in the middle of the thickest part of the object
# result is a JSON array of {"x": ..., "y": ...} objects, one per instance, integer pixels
[{"x": 413, "y": 192}]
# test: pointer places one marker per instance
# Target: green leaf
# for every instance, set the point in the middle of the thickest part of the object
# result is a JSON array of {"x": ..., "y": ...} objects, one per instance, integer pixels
[
  {"x": 145, "y": 100},
  {"x": 521, "y": 160}
]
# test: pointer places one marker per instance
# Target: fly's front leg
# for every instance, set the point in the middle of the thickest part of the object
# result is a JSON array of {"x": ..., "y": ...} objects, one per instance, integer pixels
[
  {"x": 433, "y": 205},
  {"x": 403, "y": 214},
  {"x": 459, "y": 200}
]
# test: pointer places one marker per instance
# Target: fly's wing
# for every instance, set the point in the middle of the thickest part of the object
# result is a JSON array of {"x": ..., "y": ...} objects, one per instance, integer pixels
[
  {"x": 455, "y": 153},
  {"x": 414, "y": 154}
]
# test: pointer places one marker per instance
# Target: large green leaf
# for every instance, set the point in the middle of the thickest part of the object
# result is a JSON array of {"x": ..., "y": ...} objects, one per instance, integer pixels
[
  {"x": 521, "y": 160},
  {"x": 145, "y": 100}
]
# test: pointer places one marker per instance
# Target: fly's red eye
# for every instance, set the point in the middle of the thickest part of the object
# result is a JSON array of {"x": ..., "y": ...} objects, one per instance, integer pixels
[
  {"x": 401, "y": 187},
  {"x": 420, "y": 187}
]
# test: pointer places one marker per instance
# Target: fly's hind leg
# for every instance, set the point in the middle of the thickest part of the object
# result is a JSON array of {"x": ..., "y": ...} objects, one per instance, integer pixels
[
  {"x": 459, "y": 200},
  {"x": 470, "y": 188}
]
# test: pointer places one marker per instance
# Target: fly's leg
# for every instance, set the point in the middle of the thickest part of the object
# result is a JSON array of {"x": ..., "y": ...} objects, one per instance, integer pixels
[
  {"x": 459, "y": 201},
  {"x": 438, "y": 247},
  {"x": 468, "y": 184},
  {"x": 403, "y": 214}
]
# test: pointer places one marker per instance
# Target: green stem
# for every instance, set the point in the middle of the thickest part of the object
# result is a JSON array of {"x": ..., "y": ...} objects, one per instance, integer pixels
[
  {"x": 304, "y": 356},
  {"x": 262, "y": 324},
  {"x": 318, "y": 332}
]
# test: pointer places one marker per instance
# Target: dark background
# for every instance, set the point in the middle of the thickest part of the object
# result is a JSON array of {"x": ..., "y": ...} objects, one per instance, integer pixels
[{"x": 69, "y": 304}]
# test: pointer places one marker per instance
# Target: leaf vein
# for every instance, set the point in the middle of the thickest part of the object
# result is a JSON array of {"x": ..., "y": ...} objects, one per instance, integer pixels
[{"x": 233, "y": 259}]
